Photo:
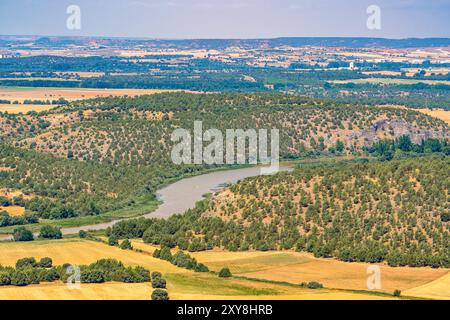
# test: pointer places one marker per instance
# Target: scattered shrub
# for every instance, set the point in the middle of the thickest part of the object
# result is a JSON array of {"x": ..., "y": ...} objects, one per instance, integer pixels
[
  {"x": 159, "y": 294},
  {"x": 5, "y": 278},
  {"x": 82, "y": 234},
  {"x": 22, "y": 234},
  {"x": 224, "y": 273},
  {"x": 51, "y": 275},
  {"x": 314, "y": 285},
  {"x": 50, "y": 232},
  {"x": 126, "y": 245},
  {"x": 45, "y": 262},
  {"x": 26, "y": 262},
  {"x": 19, "y": 278},
  {"x": 165, "y": 254},
  {"x": 113, "y": 241},
  {"x": 159, "y": 283},
  {"x": 311, "y": 285},
  {"x": 156, "y": 274}
]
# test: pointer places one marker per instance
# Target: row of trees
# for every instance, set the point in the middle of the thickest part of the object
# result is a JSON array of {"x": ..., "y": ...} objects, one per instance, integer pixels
[
  {"x": 388, "y": 149},
  {"x": 180, "y": 259},
  {"x": 7, "y": 220},
  {"x": 29, "y": 271},
  {"x": 46, "y": 232}
]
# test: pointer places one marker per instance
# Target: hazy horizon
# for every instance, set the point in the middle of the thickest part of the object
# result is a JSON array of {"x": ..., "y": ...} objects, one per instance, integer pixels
[
  {"x": 181, "y": 39},
  {"x": 233, "y": 19}
]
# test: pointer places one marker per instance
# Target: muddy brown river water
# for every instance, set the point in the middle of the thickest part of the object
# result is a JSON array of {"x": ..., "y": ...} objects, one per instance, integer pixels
[{"x": 181, "y": 195}]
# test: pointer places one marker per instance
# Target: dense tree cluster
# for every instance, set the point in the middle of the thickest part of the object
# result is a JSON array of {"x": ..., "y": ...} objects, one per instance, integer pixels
[{"x": 403, "y": 146}]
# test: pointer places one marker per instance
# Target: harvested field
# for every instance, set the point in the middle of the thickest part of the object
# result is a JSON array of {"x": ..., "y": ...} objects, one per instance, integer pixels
[
  {"x": 392, "y": 81},
  {"x": 79, "y": 252},
  {"x": 182, "y": 283},
  {"x": 383, "y": 72},
  {"x": 200, "y": 288},
  {"x": 437, "y": 289},
  {"x": 24, "y": 108},
  {"x": 440, "y": 114},
  {"x": 83, "y": 74},
  {"x": 296, "y": 267},
  {"x": 13, "y": 211},
  {"x": 60, "y": 291},
  {"x": 37, "y": 93},
  {"x": 435, "y": 113}
]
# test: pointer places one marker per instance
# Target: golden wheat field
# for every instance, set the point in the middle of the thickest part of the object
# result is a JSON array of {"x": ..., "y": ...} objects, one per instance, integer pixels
[
  {"x": 78, "y": 252},
  {"x": 295, "y": 268},
  {"x": 178, "y": 290},
  {"x": 392, "y": 81},
  {"x": 438, "y": 289},
  {"x": 440, "y": 114},
  {"x": 40, "y": 93},
  {"x": 182, "y": 283},
  {"x": 60, "y": 291},
  {"x": 24, "y": 108},
  {"x": 13, "y": 211}
]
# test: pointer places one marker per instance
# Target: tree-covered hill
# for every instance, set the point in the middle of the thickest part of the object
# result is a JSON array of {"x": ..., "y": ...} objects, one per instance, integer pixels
[
  {"x": 137, "y": 130},
  {"x": 395, "y": 211},
  {"x": 398, "y": 211}
]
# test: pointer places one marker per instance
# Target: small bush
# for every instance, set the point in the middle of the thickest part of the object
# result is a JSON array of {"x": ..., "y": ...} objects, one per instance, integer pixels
[
  {"x": 26, "y": 262},
  {"x": 445, "y": 217},
  {"x": 126, "y": 245},
  {"x": 92, "y": 276},
  {"x": 165, "y": 254},
  {"x": 50, "y": 232},
  {"x": 156, "y": 274},
  {"x": 397, "y": 293},
  {"x": 113, "y": 241},
  {"x": 311, "y": 285},
  {"x": 314, "y": 285},
  {"x": 45, "y": 262},
  {"x": 5, "y": 278},
  {"x": 159, "y": 294},
  {"x": 159, "y": 283},
  {"x": 4, "y": 202},
  {"x": 225, "y": 273},
  {"x": 22, "y": 234},
  {"x": 51, "y": 275},
  {"x": 82, "y": 234},
  {"x": 201, "y": 268},
  {"x": 19, "y": 278}
]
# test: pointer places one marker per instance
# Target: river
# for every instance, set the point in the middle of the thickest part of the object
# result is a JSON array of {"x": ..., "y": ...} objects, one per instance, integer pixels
[{"x": 181, "y": 195}]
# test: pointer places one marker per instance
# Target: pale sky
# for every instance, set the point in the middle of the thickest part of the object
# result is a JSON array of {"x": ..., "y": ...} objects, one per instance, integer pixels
[{"x": 226, "y": 18}]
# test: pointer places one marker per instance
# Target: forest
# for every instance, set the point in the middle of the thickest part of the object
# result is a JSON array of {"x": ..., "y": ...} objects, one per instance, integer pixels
[{"x": 96, "y": 156}]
